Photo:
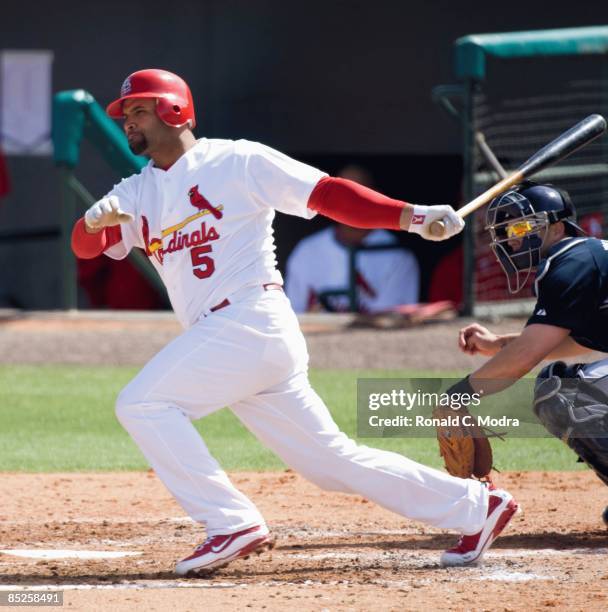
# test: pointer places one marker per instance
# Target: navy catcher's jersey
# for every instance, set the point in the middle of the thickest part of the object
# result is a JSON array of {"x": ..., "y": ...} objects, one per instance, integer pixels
[{"x": 572, "y": 290}]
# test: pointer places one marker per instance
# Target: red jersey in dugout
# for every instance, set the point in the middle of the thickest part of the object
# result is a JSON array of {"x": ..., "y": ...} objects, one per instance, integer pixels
[{"x": 5, "y": 185}]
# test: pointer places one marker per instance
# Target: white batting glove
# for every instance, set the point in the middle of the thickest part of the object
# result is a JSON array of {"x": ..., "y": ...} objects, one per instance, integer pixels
[
  {"x": 105, "y": 213},
  {"x": 423, "y": 216}
]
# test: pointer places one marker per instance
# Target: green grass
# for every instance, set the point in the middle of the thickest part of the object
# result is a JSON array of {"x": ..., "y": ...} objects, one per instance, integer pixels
[{"x": 61, "y": 418}]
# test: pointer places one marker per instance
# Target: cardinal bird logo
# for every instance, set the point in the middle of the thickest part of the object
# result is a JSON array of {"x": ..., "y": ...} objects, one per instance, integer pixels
[{"x": 199, "y": 201}]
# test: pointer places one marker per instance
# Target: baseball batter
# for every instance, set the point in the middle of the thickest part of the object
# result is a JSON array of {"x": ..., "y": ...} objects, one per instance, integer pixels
[{"x": 202, "y": 210}]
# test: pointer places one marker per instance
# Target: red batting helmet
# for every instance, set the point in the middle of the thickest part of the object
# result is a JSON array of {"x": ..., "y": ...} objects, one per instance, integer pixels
[{"x": 174, "y": 103}]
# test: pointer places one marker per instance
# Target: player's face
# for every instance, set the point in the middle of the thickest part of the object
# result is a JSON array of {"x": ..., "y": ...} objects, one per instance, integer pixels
[
  {"x": 142, "y": 126},
  {"x": 548, "y": 235},
  {"x": 555, "y": 233},
  {"x": 517, "y": 231}
]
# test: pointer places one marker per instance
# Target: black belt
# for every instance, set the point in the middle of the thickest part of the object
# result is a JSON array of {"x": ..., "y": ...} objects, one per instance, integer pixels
[{"x": 266, "y": 287}]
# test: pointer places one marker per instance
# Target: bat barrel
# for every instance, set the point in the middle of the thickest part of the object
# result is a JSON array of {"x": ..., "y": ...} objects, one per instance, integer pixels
[
  {"x": 568, "y": 142},
  {"x": 573, "y": 139}
]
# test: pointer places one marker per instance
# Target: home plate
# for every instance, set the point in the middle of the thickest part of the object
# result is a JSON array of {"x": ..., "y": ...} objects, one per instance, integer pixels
[
  {"x": 52, "y": 553},
  {"x": 506, "y": 576}
]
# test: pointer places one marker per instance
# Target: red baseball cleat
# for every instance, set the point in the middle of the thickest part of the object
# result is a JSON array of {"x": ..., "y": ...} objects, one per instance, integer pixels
[
  {"x": 471, "y": 548},
  {"x": 217, "y": 551}
]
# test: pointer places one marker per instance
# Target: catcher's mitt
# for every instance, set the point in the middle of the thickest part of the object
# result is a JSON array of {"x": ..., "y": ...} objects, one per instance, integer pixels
[{"x": 463, "y": 445}]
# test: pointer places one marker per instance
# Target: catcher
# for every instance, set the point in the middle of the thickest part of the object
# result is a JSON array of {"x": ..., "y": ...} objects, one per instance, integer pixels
[{"x": 533, "y": 227}]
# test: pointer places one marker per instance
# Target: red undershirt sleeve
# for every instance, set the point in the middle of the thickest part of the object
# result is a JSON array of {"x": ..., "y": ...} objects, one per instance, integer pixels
[
  {"x": 355, "y": 205},
  {"x": 88, "y": 246}
]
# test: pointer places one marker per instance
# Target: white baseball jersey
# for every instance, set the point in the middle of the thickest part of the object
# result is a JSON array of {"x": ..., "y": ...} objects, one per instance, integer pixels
[
  {"x": 320, "y": 263},
  {"x": 206, "y": 222}
]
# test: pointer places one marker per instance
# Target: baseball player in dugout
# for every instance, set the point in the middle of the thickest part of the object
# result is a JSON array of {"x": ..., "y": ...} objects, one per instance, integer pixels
[
  {"x": 318, "y": 269},
  {"x": 533, "y": 228},
  {"x": 202, "y": 210}
]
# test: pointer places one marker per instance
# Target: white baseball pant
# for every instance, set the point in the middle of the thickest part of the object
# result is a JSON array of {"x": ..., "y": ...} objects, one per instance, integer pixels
[{"x": 252, "y": 357}]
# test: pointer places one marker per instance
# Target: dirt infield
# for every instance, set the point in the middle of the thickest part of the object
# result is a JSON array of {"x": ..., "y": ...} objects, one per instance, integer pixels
[
  {"x": 334, "y": 552},
  {"x": 133, "y": 338}
]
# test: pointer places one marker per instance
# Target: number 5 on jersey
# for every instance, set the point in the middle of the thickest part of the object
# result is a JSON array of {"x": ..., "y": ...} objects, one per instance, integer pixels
[{"x": 202, "y": 265}]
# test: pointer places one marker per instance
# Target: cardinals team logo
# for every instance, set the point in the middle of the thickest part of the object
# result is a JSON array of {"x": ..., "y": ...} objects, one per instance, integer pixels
[
  {"x": 126, "y": 87},
  {"x": 199, "y": 201},
  {"x": 186, "y": 240}
]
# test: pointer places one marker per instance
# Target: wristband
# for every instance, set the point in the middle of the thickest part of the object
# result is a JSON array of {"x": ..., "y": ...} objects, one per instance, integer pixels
[
  {"x": 462, "y": 386},
  {"x": 418, "y": 222}
]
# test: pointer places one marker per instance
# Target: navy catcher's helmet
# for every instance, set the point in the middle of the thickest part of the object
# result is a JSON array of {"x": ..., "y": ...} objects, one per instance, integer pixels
[{"x": 517, "y": 221}]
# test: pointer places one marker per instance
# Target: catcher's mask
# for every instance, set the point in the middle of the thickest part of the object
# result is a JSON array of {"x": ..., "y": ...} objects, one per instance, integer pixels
[{"x": 518, "y": 222}]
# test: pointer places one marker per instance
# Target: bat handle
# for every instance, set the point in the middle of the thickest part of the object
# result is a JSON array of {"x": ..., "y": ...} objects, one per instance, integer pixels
[{"x": 437, "y": 228}]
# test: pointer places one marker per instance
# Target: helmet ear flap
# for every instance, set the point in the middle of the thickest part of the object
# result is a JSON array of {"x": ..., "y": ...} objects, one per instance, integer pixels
[
  {"x": 171, "y": 112},
  {"x": 165, "y": 109}
]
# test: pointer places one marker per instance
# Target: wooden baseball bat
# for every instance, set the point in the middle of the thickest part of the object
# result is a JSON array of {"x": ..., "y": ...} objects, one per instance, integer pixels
[{"x": 565, "y": 144}]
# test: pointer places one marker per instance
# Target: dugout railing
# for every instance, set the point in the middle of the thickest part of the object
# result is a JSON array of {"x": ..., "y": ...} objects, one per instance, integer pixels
[
  {"x": 516, "y": 91},
  {"x": 77, "y": 116}
]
